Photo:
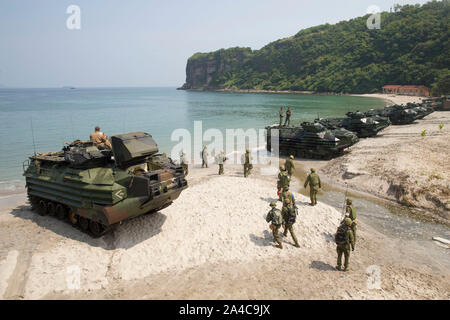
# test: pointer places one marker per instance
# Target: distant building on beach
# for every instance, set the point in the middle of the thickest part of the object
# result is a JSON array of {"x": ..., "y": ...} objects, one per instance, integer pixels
[{"x": 409, "y": 90}]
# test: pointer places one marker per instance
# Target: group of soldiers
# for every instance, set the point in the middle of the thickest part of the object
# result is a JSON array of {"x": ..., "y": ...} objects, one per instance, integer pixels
[
  {"x": 287, "y": 122},
  {"x": 346, "y": 234},
  {"x": 286, "y": 217},
  {"x": 220, "y": 160}
]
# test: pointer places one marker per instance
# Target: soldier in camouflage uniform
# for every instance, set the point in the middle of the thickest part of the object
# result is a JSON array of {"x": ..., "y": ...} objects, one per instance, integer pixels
[
  {"x": 313, "y": 180},
  {"x": 289, "y": 165},
  {"x": 184, "y": 164},
  {"x": 288, "y": 117},
  {"x": 289, "y": 215},
  {"x": 283, "y": 180},
  {"x": 274, "y": 216},
  {"x": 344, "y": 247},
  {"x": 247, "y": 163},
  {"x": 351, "y": 212},
  {"x": 220, "y": 161},
  {"x": 281, "y": 116}
]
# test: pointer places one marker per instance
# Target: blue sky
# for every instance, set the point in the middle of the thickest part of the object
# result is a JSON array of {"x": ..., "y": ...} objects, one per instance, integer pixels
[{"x": 145, "y": 43}]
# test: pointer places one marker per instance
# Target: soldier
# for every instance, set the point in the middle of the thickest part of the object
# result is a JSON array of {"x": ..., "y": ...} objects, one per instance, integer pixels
[
  {"x": 289, "y": 216},
  {"x": 220, "y": 161},
  {"x": 289, "y": 165},
  {"x": 313, "y": 180},
  {"x": 283, "y": 181},
  {"x": 184, "y": 164},
  {"x": 288, "y": 117},
  {"x": 276, "y": 218},
  {"x": 204, "y": 157},
  {"x": 281, "y": 116},
  {"x": 247, "y": 163},
  {"x": 99, "y": 139},
  {"x": 344, "y": 240},
  {"x": 351, "y": 212}
]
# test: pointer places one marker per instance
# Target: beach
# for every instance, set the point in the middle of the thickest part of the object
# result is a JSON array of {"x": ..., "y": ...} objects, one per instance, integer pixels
[{"x": 213, "y": 242}]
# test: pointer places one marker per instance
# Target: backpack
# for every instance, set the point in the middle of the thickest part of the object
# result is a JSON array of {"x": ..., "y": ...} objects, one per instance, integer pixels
[
  {"x": 277, "y": 219},
  {"x": 292, "y": 214},
  {"x": 339, "y": 238}
]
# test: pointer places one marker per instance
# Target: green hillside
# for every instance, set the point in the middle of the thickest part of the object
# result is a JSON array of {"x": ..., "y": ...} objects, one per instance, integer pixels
[{"x": 412, "y": 47}]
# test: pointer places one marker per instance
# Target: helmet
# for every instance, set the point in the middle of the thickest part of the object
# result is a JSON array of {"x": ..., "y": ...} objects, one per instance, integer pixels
[
  {"x": 292, "y": 157},
  {"x": 273, "y": 204},
  {"x": 286, "y": 188},
  {"x": 282, "y": 168},
  {"x": 348, "y": 222},
  {"x": 349, "y": 201},
  {"x": 313, "y": 170},
  {"x": 247, "y": 150}
]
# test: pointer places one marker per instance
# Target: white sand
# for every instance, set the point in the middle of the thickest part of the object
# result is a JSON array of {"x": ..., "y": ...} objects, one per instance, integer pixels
[{"x": 392, "y": 98}]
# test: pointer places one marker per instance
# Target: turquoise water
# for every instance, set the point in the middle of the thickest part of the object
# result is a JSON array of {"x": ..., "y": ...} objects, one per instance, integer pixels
[{"x": 63, "y": 114}]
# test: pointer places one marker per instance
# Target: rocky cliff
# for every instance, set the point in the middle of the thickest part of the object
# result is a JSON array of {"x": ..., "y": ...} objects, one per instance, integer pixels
[
  {"x": 206, "y": 71},
  {"x": 410, "y": 48}
]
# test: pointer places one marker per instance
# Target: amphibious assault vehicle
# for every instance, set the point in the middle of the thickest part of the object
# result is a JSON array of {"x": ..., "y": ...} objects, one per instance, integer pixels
[
  {"x": 311, "y": 140},
  {"x": 96, "y": 189},
  {"x": 356, "y": 122},
  {"x": 400, "y": 114}
]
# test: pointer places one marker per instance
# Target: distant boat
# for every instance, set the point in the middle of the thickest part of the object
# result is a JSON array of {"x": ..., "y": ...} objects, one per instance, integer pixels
[{"x": 67, "y": 87}]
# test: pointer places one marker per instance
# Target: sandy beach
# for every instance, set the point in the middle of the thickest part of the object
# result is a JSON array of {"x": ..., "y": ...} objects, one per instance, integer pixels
[{"x": 214, "y": 243}]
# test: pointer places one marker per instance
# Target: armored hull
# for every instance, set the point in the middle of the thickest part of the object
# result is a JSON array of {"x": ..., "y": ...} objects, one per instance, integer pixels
[
  {"x": 400, "y": 114},
  {"x": 311, "y": 140},
  {"x": 97, "y": 189},
  {"x": 362, "y": 125}
]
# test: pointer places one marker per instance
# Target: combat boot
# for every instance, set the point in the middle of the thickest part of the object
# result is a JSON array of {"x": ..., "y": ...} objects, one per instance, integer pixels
[
  {"x": 280, "y": 246},
  {"x": 346, "y": 269},
  {"x": 338, "y": 267}
]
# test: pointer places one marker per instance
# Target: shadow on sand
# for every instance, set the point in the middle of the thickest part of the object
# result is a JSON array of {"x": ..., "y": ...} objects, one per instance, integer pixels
[
  {"x": 126, "y": 235},
  {"x": 319, "y": 265},
  {"x": 265, "y": 241}
]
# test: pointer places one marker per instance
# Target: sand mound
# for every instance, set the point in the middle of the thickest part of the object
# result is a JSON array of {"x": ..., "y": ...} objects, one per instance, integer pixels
[{"x": 222, "y": 219}]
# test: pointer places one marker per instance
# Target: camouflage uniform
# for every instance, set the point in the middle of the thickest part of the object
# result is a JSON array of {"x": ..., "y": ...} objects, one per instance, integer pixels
[
  {"x": 288, "y": 117},
  {"x": 281, "y": 116},
  {"x": 345, "y": 247},
  {"x": 276, "y": 218},
  {"x": 289, "y": 165},
  {"x": 247, "y": 163},
  {"x": 313, "y": 180},
  {"x": 204, "y": 157},
  {"x": 289, "y": 214},
  {"x": 220, "y": 161},
  {"x": 283, "y": 181},
  {"x": 350, "y": 209}
]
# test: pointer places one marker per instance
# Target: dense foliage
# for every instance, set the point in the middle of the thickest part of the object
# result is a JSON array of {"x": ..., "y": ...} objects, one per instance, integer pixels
[{"x": 412, "y": 47}]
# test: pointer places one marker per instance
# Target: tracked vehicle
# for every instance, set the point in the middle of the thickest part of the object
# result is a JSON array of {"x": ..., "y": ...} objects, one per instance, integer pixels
[
  {"x": 398, "y": 114},
  {"x": 97, "y": 189},
  {"x": 357, "y": 122},
  {"x": 311, "y": 140}
]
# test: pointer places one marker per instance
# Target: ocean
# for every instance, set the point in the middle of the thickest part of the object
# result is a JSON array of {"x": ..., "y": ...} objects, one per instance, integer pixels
[{"x": 42, "y": 119}]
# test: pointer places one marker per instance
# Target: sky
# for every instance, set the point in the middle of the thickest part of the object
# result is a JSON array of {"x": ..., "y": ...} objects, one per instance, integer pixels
[{"x": 139, "y": 43}]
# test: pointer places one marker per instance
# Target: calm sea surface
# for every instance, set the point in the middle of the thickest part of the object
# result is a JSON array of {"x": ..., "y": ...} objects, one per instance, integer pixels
[{"x": 58, "y": 115}]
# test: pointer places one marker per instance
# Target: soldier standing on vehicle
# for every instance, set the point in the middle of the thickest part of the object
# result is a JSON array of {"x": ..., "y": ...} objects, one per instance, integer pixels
[
  {"x": 283, "y": 181},
  {"x": 274, "y": 216},
  {"x": 289, "y": 214},
  {"x": 247, "y": 163},
  {"x": 99, "y": 139},
  {"x": 289, "y": 165},
  {"x": 351, "y": 212},
  {"x": 344, "y": 241},
  {"x": 288, "y": 117},
  {"x": 204, "y": 157},
  {"x": 220, "y": 161},
  {"x": 281, "y": 116},
  {"x": 313, "y": 180},
  {"x": 184, "y": 164}
]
